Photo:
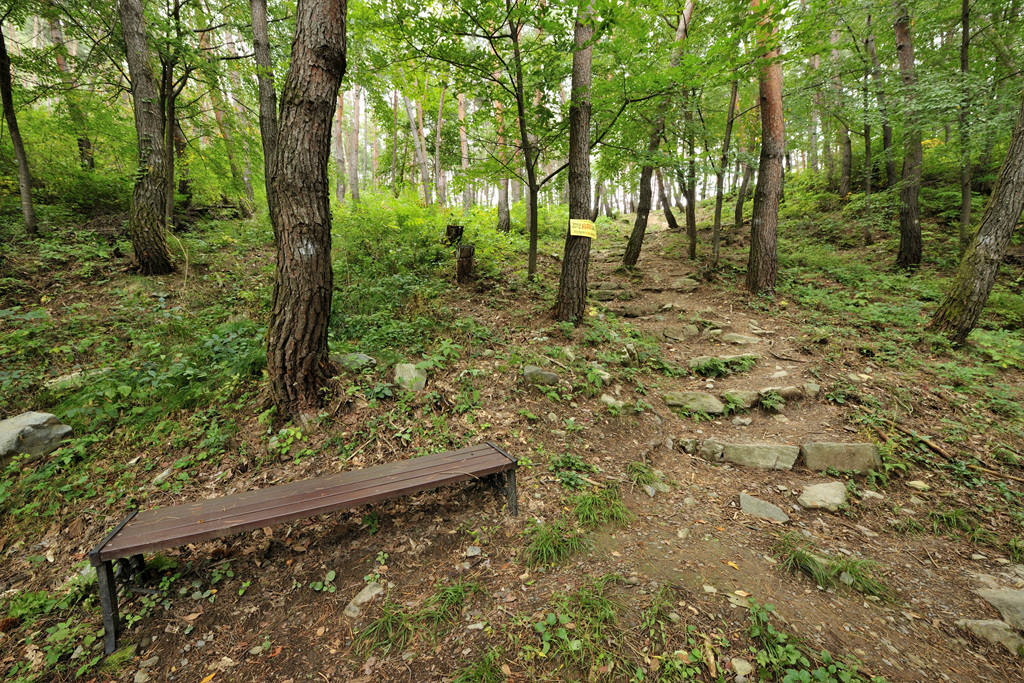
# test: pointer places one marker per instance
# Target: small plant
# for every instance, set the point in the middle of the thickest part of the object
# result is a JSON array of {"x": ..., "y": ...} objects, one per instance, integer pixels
[
  {"x": 392, "y": 630},
  {"x": 603, "y": 507},
  {"x": 796, "y": 556},
  {"x": 570, "y": 469},
  {"x": 484, "y": 670},
  {"x": 551, "y": 544},
  {"x": 952, "y": 520},
  {"x": 721, "y": 367},
  {"x": 221, "y": 572},
  {"x": 641, "y": 474},
  {"x": 371, "y": 521},
  {"x": 327, "y": 585},
  {"x": 772, "y": 401},
  {"x": 381, "y": 391},
  {"x": 449, "y": 599},
  {"x": 1016, "y": 548}
]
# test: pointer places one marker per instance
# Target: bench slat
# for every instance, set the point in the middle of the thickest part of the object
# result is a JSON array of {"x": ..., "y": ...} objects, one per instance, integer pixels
[
  {"x": 208, "y": 519},
  {"x": 213, "y": 509}
]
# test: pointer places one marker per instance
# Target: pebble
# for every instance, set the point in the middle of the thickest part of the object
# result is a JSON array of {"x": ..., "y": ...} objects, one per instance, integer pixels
[
  {"x": 689, "y": 502},
  {"x": 742, "y": 421},
  {"x": 407, "y": 655},
  {"x": 978, "y": 556},
  {"x": 150, "y": 663},
  {"x": 200, "y": 643},
  {"x": 918, "y": 485},
  {"x": 141, "y": 677},
  {"x": 478, "y": 626},
  {"x": 473, "y": 551},
  {"x": 710, "y": 589},
  {"x": 674, "y": 617},
  {"x": 633, "y": 581},
  {"x": 1002, "y": 560},
  {"x": 258, "y": 650}
]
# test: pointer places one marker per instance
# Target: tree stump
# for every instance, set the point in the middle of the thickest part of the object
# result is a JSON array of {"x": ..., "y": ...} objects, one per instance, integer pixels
[
  {"x": 453, "y": 233},
  {"x": 464, "y": 263}
]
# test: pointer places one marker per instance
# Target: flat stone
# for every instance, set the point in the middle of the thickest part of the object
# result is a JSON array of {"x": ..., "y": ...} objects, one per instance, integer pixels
[
  {"x": 739, "y": 339},
  {"x": 410, "y": 378},
  {"x": 915, "y": 500},
  {"x": 759, "y": 508},
  {"x": 32, "y": 434},
  {"x": 1009, "y": 602},
  {"x": 639, "y": 310},
  {"x": 845, "y": 457},
  {"x": 742, "y": 421},
  {"x": 535, "y": 375},
  {"x": 685, "y": 284},
  {"x": 995, "y": 632},
  {"x": 812, "y": 389},
  {"x": 790, "y": 393},
  {"x": 612, "y": 402},
  {"x": 918, "y": 485},
  {"x": 150, "y": 663},
  {"x": 369, "y": 591},
  {"x": 824, "y": 496},
  {"x": 741, "y": 666},
  {"x": 603, "y": 295},
  {"x": 712, "y": 450},
  {"x": 353, "y": 362},
  {"x": 763, "y": 455},
  {"x": 162, "y": 477},
  {"x": 694, "y": 402},
  {"x": 779, "y": 375},
  {"x": 743, "y": 399},
  {"x": 569, "y": 354},
  {"x": 473, "y": 551},
  {"x": 678, "y": 332},
  {"x": 868, "y": 494},
  {"x": 257, "y": 650},
  {"x": 141, "y": 677}
]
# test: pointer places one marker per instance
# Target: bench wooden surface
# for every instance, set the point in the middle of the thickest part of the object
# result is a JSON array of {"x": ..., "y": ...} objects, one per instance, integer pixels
[{"x": 202, "y": 520}]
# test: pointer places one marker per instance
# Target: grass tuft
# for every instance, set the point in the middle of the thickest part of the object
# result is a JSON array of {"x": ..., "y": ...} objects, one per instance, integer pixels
[
  {"x": 602, "y": 507},
  {"x": 551, "y": 544},
  {"x": 484, "y": 670},
  {"x": 392, "y": 630}
]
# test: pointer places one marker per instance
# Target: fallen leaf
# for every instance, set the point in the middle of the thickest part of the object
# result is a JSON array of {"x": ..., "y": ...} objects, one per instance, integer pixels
[
  {"x": 733, "y": 565},
  {"x": 193, "y": 616},
  {"x": 209, "y": 678},
  {"x": 616, "y": 554},
  {"x": 743, "y": 594},
  {"x": 320, "y": 631},
  {"x": 506, "y": 670}
]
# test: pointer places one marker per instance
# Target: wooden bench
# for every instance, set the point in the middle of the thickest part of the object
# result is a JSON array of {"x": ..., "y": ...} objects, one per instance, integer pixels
[{"x": 203, "y": 520}]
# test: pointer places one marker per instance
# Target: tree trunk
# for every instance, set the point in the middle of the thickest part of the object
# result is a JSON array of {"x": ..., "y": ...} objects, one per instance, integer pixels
[
  {"x": 965, "y": 135},
  {"x": 741, "y": 193},
  {"x": 297, "y": 361},
  {"x": 169, "y": 97},
  {"x": 467, "y": 191},
  {"x": 504, "y": 218},
  {"x": 418, "y": 149},
  {"x": 24, "y": 176},
  {"x": 268, "y": 94},
  {"x": 341, "y": 184},
  {"x": 571, "y": 302},
  {"x": 249, "y": 206},
  {"x": 845, "y": 146},
  {"x": 958, "y": 313},
  {"x": 691, "y": 202},
  {"x": 909, "y": 255},
  {"x": 598, "y": 190},
  {"x": 353, "y": 149},
  {"x": 146, "y": 216},
  {"x": 643, "y": 209},
  {"x": 438, "y": 173},
  {"x": 85, "y": 156},
  {"x": 666, "y": 206},
  {"x": 529, "y": 160},
  {"x": 762, "y": 264},
  {"x": 815, "y": 62},
  {"x": 876, "y": 76},
  {"x": 716, "y": 235}
]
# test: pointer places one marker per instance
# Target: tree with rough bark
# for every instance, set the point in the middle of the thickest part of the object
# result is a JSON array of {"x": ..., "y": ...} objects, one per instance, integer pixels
[
  {"x": 297, "y": 351},
  {"x": 909, "y": 255},
  {"x": 571, "y": 301},
  {"x": 146, "y": 217},
  {"x": 762, "y": 263},
  {"x": 7, "y": 96},
  {"x": 958, "y": 313}
]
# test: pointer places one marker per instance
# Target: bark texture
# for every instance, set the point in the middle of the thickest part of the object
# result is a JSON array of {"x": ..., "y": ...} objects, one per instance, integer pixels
[
  {"x": 958, "y": 313},
  {"x": 28, "y": 213},
  {"x": 268, "y": 94},
  {"x": 146, "y": 216},
  {"x": 716, "y": 235},
  {"x": 571, "y": 302},
  {"x": 965, "y": 134},
  {"x": 762, "y": 264},
  {"x": 741, "y": 194},
  {"x": 297, "y": 361},
  {"x": 876, "y": 76},
  {"x": 341, "y": 185},
  {"x": 909, "y": 255},
  {"x": 418, "y": 150},
  {"x": 666, "y": 205}
]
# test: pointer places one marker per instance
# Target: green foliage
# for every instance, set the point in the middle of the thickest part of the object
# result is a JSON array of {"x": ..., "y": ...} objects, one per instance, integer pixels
[
  {"x": 551, "y": 543},
  {"x": 722, "y": 367},
  {"x": 601, "y": 507},
  {"x": 796, "y": 555},
  {"x": 641, "y": 473},
  {"x": 570, "y": 469},
  {"x": 486, "y": 669},
  {"x": 772, "y": 401},
  {"x": 392, "y": 630}
]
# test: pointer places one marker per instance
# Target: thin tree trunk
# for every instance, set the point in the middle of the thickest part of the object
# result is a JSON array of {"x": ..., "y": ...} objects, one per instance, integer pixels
[
  {"x": 762, "y": 264},
  {"x": 691, "y": 201},
  {"x": 741, "y": 194},
  {"x": 845, "y": 146},
  {"x": 716, "y": 236},
  {"x": 297, "y": 360},
  {"x": 965, "y": 134},
  {"x": 958, "y": 313},
  {"x": 636, "y": 238},
  {"x": 268, "y": 95},
  {"x": 167, "y": 96},
  {"x": 353, "y": 149},
  {"x": 866, "y": 220},
  {"x": 85, "y": 156},
  {"x": 438, "y": 173},
  {"x": 394, "y": 145},
  {"x": 146, "y": 216},
  {"x": 909, "y": 255},
  {"x": 529, "y": 160},
  {"x": 467, "y": 191},
  {"x": 666, "y": 206},
  {"x": 815, "y": 62},
  {"x": 28, "y": 213},
  {"x": 571, "y": 302},
  {"x": 418, "y": 150},
  {"x": 341, "y": 185},
  {"x": 598, "y": 190},
  {"x": 876, "y": 76},
  {"x": 240, "y": 113}
]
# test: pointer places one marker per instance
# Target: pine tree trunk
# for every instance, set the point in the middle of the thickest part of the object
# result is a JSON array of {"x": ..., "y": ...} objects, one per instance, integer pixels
[
  {"x": 598, "y": 191},
  {"x": 876, "y": 76},
  {"x": 965, "y": 135},
  {"x": 571, "y": 302},
  {"x": 716, "y": 235},
  {"x": 467, "y": 190},
  {"x": 341, "y": 184},
  {"x": 297, "y": 361},
  {"x": 353, "y": 149},
  {"x": 909, "y": 255},
  {"x": 146, "y": 216},
  {"x": 28, "y": 213},
  {"x": 959, "y": 311},
  {"x": 267, "y": 92},
  {"x": 762, "y": 264},
  {"x": 741, "y": 194},
  {"x": 504, "y": 218}
]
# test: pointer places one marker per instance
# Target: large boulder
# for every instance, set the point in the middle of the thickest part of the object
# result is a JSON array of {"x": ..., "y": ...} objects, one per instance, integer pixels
[
  {"x": 32, "y": 434},
  {"x": 694, "y": 402},
  {"x": 996, "y": 632},
  {"x": 1009, "y": 602},
  {"x": 845, "y": 457}
]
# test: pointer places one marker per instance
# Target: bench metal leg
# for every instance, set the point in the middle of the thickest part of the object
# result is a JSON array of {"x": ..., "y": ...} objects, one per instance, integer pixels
[
  {"x": 511, "y": 493},
  {"x": 108, "y": 602}
]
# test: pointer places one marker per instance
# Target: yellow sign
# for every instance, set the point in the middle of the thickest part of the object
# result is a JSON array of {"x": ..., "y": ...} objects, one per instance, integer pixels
[{"x": 582, "y": 228}]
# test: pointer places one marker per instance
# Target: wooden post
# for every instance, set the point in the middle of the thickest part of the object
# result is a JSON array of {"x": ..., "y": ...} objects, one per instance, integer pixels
[
  {"x": 453, "y": 233},
  {"x": 464, "y": 264}
]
